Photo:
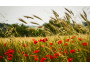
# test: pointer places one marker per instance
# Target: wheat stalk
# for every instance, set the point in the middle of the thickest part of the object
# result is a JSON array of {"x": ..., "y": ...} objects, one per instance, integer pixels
[
  {"x": 52, "y": 18},
  {"x": 83, "y": 17},
  {"x": 28, "y": 17},
  {"x": 85, "y": 14},
  {"x": 40, "y": 26},
  {"x": 67, "y": 16},
  {"x": 69, "y": 11},
  {"x": 35, "y": 23},
  {"x": 22, "y": 21},
  {"x": 55, "y": 14},
  {"x": 37, "y": 17}
]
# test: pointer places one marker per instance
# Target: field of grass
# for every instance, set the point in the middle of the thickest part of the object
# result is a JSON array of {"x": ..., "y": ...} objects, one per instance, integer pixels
[{"x": 74, "y": 48}]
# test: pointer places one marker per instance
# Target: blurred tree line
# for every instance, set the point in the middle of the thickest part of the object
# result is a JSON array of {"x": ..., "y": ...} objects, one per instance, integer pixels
[{"x": 16, "y": 30}]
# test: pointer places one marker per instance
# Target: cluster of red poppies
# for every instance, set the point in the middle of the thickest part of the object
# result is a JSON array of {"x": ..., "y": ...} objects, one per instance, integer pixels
[
  {"x": 9, "y": 53},
  {"x": 41, "y": 40}
]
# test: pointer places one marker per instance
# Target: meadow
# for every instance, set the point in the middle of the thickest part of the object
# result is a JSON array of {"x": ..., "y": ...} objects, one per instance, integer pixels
[
  {"x": 71, "y": 48},
  {"x": 59, "y": 40}
]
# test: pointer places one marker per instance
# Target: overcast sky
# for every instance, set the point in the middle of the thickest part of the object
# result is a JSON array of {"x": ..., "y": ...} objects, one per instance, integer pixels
[{"x": 11, "y": 14}]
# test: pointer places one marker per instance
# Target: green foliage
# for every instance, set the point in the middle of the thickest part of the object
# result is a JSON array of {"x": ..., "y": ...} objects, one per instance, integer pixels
[
  {"x": 51, "y": 28},
  {"x": 21, "y": 31}
]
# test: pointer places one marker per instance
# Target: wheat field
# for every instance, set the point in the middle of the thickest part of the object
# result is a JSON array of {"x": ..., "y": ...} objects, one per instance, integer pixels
[{"x": 75, "y": 48}]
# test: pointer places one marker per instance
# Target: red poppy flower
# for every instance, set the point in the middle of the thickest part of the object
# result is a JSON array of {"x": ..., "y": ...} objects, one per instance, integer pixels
[
  {"x": 59, "y": 42},
  {"x": 85, "y": 43},
  {"x": 35, "y": 42},
  {"x": 5, "y": 45},
  {"x": 51, "y": 57},
  {"x": 89, "y": 58},
  {"x": 46, "y": 39},
  {"x": 18, "y": 51},
  {"x": 51, "y": 43},
  {"x": 67, "y": 40},
  {"x": 8, "y": 50},
  {"x": 25, "y": 55},
  {"x": 11, "y": 51},
  {"x": 56, "y": 57},
  {"x": 23, "y": 52},
  {"x": 66, "y": 52},
  {"x": 43, "y": 59},
  {"x": 72, "y": 51},
  {"x": 6, "y": 53},
  {"x": 10, "y": 58},
  {"x": 78, "y": 50},
  {"x": 47, "y": 55},
  {"x": 70, "y": 59},
  {"x": 59, "y": 48},
  {"x": 41, "y": 40},
  {"x": 54, "y": 50},
  {"x": 72, "y": 37},
  {"x": 80, "y": 39},
  {"x": 24, "y": 45},
  {"x": 1, "y": 57},
  {"x": 56, "y": 54},
  {"x": 72, "y": 41},
  {"x": 42, "y": 46},
  {"x": 35, "y": 56},
  {"x": 36, "y": 51},
  {"x": 65, "y": 44},
  {"x": 36, "y": 59},
  {"x": 33, "y": 39},
  {"x": 50, "y": 47}
]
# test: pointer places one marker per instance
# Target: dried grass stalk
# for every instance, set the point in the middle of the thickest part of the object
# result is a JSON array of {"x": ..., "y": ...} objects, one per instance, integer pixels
[
  {"x": 37, "y": 17},
  {"x": 28, "y": 17},
  {"x": 22, "y": 21},
  {"x": 35, "y": 23}
]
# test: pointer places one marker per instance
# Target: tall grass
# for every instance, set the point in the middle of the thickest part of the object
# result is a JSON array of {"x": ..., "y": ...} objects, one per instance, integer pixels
[{"x": 58, "y": 52}]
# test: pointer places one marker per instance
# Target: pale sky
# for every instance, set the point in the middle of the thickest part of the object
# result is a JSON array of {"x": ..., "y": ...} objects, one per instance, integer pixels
[{"x": 11, "y": 14}]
